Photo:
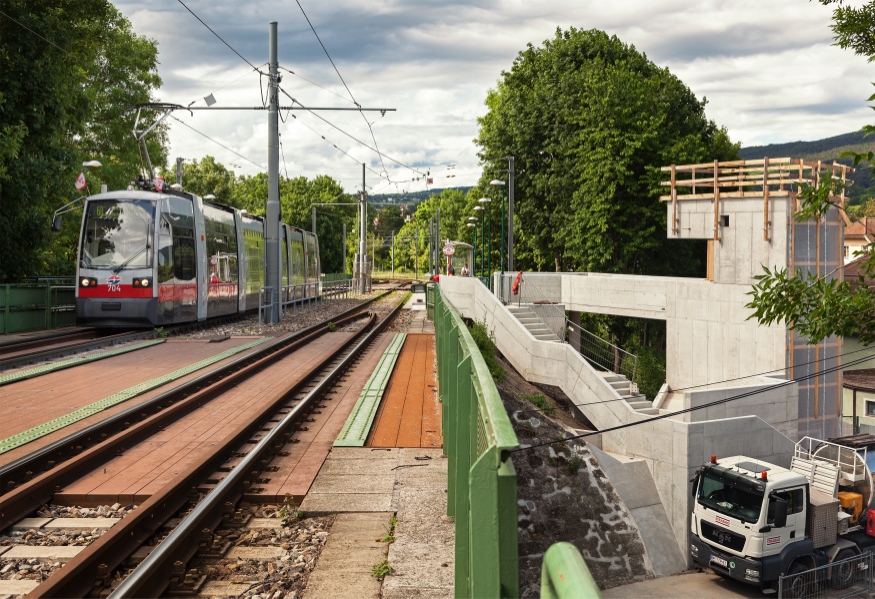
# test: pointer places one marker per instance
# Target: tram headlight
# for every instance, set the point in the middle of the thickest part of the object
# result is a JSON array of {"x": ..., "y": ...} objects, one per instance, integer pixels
[
  {"x": 142, "y": 283},
  {"x": 87, "y": 282}
]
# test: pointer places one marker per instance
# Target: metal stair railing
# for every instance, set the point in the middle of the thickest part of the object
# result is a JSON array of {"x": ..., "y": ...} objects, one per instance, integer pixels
[{"x": 599, "y": 352}]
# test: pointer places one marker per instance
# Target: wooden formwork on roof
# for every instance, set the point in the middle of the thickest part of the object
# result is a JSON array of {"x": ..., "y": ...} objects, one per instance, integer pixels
[{"x": 746, "y": 179}]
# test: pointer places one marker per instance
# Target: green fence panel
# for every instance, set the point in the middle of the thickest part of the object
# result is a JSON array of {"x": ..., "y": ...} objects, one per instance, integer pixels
[
  {"x": 33, "y": 307},
  {"x": 478, "y": 438},
  {"x": 564, "y": 574}
]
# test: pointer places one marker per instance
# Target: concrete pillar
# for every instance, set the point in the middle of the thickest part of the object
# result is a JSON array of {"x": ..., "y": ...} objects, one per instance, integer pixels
[{"x": 574, "y": 333}]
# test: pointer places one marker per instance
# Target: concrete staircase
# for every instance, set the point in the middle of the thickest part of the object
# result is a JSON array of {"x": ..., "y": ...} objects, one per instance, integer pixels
[
  {"x": 622, "y": 385},
  {"x": 533, "y": 324}
]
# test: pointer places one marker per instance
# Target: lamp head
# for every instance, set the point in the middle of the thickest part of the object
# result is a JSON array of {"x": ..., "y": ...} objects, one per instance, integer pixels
[
  {"x": 471, "y": 225},
  {"x": 484, "y": 200},
  {"x": 209, "y": 197},
  {"x": 92, "y": 164},
  {"x": 496, "y": 182},
  {"x": 478, "y": 207}
]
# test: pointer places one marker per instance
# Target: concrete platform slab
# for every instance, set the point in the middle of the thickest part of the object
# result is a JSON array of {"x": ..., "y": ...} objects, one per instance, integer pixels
[
  {"x": 353, "y": 483},
  {"x": 59, "y": 554},
  {"x": 419, "y": 565},
  {"x": 222, "y": 588},
  {"x": 332, "y": 503},
  {"x": 341, "y": 585},
  {"x": 691, "y": 585}
]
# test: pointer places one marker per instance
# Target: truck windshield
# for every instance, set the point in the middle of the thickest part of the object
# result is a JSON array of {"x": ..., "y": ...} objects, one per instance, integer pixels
[
  {"x": 117, "y": 234},
  {"x": 730, "y": 499}
]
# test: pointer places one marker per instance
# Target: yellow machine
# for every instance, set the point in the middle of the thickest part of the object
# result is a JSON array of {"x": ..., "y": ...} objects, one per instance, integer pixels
[{"x": 852, "y": 504}]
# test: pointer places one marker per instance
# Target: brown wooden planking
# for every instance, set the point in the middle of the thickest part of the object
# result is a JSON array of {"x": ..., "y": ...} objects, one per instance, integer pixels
[
  {"x": 31, "y": 402},
  {"x": 297, "y": 471},
  {"x": 409, "y": 415},
  {"x": 191, "y": 436}
]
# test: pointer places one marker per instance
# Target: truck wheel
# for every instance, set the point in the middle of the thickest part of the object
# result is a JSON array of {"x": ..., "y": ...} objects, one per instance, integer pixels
[
  {"x": 842, "y": 575},
  {"x": 801, "y": 583}
]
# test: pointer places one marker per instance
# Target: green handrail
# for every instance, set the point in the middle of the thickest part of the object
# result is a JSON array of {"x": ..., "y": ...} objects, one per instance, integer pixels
[
  {"x": 32, "y": 307},
  {"x": 478, "y": 437},
  {"x": 564, "y": 574}
]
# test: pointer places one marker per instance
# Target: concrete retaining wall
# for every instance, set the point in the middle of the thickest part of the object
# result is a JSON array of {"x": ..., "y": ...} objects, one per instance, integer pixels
[{"x": 672, "y": 448}]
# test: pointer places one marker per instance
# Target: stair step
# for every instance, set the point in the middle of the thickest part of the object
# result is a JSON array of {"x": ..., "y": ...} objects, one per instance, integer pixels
[
  {"x": 611, "y": 377},
  {"x": 546, "y": 337},
  {"x": 648, "y": 411},
  {"x": 637, "y": 405},
  {"x": 620, "y": 384}
]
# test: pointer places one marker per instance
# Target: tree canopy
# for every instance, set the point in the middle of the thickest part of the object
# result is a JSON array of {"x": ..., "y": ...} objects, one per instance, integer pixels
[
  {"x": 62, "y": 103},
  {"x": 589, "y": 121}
]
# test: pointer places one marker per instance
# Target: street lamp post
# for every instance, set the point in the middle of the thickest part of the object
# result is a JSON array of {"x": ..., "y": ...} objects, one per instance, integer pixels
[
  {"x": 473, "y": 245},
  {"x": 482, "y": 238},
  {"x": 488, "y": 263}
]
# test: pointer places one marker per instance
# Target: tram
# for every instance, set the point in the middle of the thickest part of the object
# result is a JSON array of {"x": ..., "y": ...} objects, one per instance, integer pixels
[{"x": 151, "y": 258}]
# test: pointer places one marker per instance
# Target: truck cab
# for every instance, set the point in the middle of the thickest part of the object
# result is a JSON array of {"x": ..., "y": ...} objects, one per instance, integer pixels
[{"x": 749, "y": 518}]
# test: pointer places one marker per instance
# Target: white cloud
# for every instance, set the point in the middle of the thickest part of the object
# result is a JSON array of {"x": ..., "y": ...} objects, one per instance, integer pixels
[{"x": 768, "y": 70}]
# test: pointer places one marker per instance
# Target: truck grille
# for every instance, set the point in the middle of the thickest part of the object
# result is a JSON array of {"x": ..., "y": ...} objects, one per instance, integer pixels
[{"x": 721, "y": 536}]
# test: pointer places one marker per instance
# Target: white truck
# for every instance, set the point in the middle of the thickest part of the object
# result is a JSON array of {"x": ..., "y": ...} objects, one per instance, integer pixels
[{"x": 755, "y": 522}]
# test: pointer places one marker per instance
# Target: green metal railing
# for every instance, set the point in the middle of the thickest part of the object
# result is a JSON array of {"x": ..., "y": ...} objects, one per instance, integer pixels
[
  {"x": 564, "y": 574},
  {"x": 36, "y": 307},
  {"x": 429, "y": 301},
  {"x": 478, "y": 437}
]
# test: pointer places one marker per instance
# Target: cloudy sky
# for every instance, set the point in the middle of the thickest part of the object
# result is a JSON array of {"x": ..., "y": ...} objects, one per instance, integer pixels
[{"x": 767, "y": 68}]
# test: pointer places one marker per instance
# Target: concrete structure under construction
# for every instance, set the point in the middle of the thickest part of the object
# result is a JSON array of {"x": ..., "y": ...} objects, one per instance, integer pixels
[{"x": 714, "y": 350}]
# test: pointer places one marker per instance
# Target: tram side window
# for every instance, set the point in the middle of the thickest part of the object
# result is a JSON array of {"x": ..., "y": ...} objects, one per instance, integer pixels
[{"x": 184, "y": 256}]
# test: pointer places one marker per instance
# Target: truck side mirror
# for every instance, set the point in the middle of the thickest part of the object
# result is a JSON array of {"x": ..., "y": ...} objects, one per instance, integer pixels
[
  {"x": 695, "y": 482},
  {"x": 780, "y": 513},
  {"x": 56, "y": 224}
]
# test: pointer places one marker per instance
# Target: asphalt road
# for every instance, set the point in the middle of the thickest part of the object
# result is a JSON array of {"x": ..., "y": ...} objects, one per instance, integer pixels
[{"x": 688, "y": 585}]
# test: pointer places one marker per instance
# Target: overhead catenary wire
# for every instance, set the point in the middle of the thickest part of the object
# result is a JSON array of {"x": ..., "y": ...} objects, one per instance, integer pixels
[
  {"x": 291, "y": 72},
  {"x": 695, "y": 408},
  {"x": 352, "y": 137},
  {"x": 335, "y": 146},
  {"x": 218, "y": 143},
  {"x": 230, "y": 47}
]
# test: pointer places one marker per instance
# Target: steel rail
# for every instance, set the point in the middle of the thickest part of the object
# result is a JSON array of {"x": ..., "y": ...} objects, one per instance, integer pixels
[
  {"x": 74, "y": 348},
  {"x": 152, "y": 576},
  {"x": 86, "y": 574},
  {"x": 10, "y": 346},
  {"x": 49, "y": 456}
]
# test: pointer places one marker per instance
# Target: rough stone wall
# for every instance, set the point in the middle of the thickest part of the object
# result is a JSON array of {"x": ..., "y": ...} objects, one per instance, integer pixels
[{"x": 564, "y": 496}]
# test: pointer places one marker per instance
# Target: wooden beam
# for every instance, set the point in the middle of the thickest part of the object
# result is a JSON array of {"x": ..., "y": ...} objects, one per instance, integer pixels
[
  {"x": 674, "y": 203},
  {"x": 716, "y": 203}
]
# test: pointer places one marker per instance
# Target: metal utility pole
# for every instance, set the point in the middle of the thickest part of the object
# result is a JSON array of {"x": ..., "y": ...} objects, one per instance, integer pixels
[
  {"x": 344, "y": 248},
  {"x": 438, "y": 246},
  {"x": 393, "y": 254},
  {"x": 179, "y": 171},
  {"x": 314, "y": 219},
  {"x": 363, "y": 237},
  {"x": 431, "y": 246},
  {"x": 272, "y": 218},
  {"x": 510, "y": 213}
]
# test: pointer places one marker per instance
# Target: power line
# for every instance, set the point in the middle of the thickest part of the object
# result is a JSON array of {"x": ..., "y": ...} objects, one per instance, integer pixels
[
  {"x": 291, "y": 72},
  {"x": 352, "y": 137},
  {"x": 326, "y": 53},
  {"x": 238, "y": 154},
  {"x": 77, "y": 59},
  {"x": 283, "y": 152},
  {"x": 701, "y": 407},
  {"x": 254, "y": 68},
  {"x": 356, "y": 160}
]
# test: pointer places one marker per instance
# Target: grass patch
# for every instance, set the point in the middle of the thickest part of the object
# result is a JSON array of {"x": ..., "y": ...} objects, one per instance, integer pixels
[
  {"x": 485, "y": 340},
  {"x": 539, "y": 401},
  {"x": 332, "y": 327},
  {"x": 574, "y": 464},
  {"x": 382, "y": 569},
  {"x": 289, "y": 513},
  {"x": 390, "y": 532}
]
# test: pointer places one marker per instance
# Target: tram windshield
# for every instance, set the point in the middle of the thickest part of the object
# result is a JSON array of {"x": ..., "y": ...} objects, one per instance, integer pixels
[{"x": 117, "y": 234}]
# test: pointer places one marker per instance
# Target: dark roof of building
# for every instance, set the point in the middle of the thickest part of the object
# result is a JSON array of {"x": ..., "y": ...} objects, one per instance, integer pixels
[
  {"x": 853, "y": 272},
  {"x": 861, "y": 380}
]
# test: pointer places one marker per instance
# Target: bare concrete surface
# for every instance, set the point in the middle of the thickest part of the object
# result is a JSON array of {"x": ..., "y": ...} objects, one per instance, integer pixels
[
  {"x": 688, "y": 585},
  {"x": 345, "y": 565},
  {"x": 17, "y": 587},
  {"x": 423, "y": 552},
  {"x": 354, "y": 479}
]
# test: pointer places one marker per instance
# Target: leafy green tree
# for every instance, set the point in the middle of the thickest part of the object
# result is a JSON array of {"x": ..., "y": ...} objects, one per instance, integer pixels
[
  {"x": 207, "y": 177},
  {"x": 63, "y": 104},
  {"x": 589, "y": 121},
  {"x": 812, "y": 305}
]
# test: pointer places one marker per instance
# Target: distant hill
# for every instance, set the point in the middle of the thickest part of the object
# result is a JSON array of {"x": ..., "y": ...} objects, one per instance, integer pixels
[
  {"x": 411, "y": 197},
  {"x": 825, "y": 150}
]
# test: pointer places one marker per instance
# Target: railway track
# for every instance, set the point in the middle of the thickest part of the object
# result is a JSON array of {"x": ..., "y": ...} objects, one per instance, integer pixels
[
  {"x": 207, "y": 493},
  {"x": 22, "y": 345}
]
